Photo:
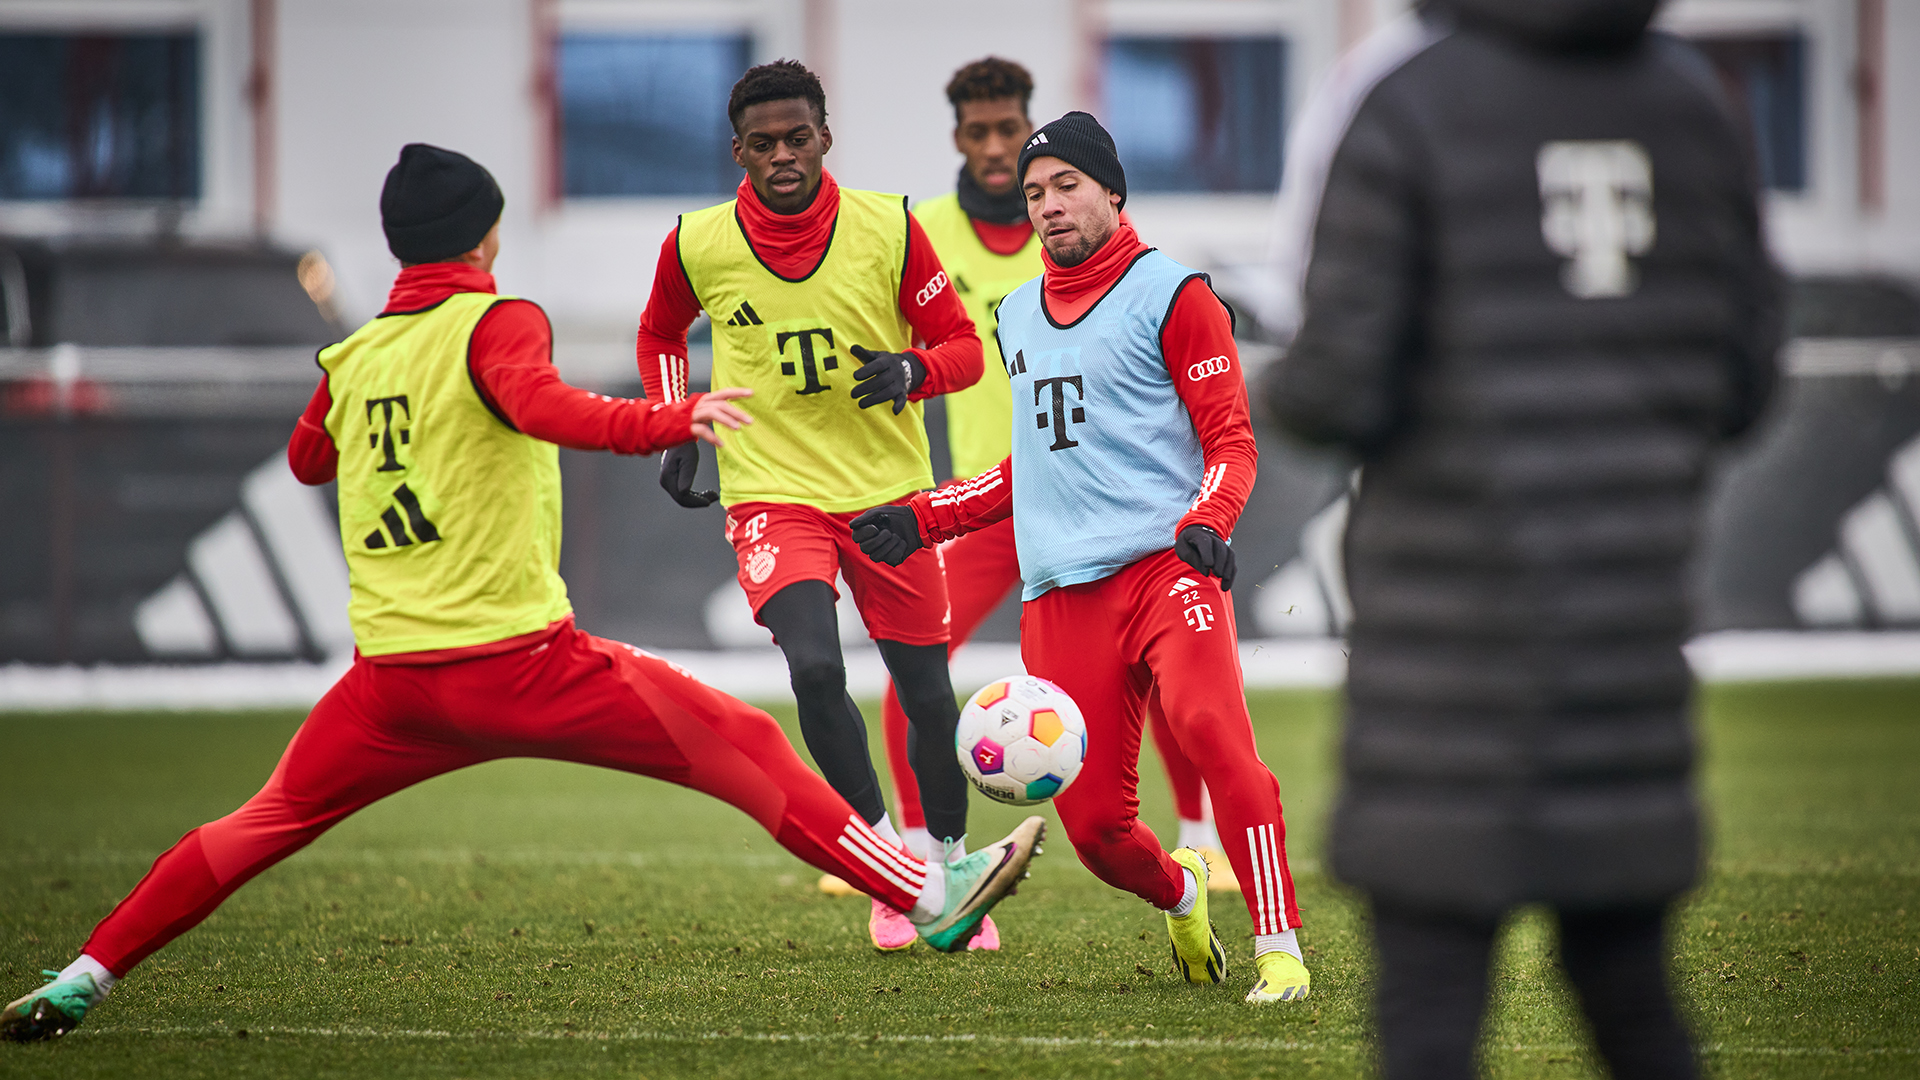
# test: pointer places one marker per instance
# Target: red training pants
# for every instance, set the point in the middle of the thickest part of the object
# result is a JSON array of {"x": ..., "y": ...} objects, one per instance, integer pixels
[
  {"x": 571, "y": 697},
  {"x": 1110, "y": 644},
  {"x": 982, "y": 567}
]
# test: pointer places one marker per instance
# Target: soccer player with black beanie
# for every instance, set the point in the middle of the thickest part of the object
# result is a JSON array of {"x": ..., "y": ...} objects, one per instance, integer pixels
[
  {"x": 817, "y": 294},
  {"x": 988, "y": 247},
  {"x": 439, "y": 420},
  {"x": 1133, "y": 454}
]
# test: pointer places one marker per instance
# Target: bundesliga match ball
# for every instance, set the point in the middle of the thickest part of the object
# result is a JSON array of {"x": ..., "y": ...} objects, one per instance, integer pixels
[{"x": 1021, "y": 740}]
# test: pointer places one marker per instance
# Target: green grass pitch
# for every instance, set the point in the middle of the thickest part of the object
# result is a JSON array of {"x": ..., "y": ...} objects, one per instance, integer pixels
[{"x": 528, "y": 919}]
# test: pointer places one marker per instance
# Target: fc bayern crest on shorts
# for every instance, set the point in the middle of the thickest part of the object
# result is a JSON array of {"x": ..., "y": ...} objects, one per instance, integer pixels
[{"x": 760, "y": 563}]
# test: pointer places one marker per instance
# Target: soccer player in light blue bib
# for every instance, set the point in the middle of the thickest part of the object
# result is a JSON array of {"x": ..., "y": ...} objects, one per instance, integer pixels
[{"x": 1133, "y": 455}]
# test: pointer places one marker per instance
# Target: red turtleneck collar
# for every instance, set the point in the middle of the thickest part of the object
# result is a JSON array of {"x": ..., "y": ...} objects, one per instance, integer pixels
[
  {"x": 791, "y": 245},
  {"x": 1002, "y": 239},
  {"x": 1070, "y": 292},
  {"x": 422, "y": 286}
]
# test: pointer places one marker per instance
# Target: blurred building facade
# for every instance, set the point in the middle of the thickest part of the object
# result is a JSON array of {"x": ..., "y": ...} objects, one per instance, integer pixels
[
  {"x": 158, "y": 521},
  {"x": 603, "y": 118}
]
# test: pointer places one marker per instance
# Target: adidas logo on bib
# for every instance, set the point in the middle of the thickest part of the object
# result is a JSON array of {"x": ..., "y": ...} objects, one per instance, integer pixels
[
  {"x": 423, "y": 530},
  {"x": 745, "y": 316}
]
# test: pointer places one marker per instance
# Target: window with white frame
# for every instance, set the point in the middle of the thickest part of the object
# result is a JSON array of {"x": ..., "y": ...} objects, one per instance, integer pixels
[
  {"x": 646, "y": 114},
  {"x": 1766, "y": 77},
  {"x": 100, "y": 116},
  {"x": 1197, "y": 114}
]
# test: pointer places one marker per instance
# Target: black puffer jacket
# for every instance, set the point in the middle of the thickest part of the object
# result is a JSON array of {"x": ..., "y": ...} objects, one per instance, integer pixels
[{"x": 1537, "y": 299}]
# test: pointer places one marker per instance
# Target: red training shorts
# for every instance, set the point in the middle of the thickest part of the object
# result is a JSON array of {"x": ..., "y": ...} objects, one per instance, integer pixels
[{"x": 778, "y": 544}]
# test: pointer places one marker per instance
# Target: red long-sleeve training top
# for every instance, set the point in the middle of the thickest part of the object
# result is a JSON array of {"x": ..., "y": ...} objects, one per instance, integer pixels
[
  {"x": 1196, "y": 336},
  {"x": 791, "y": 245},
  {"x": 511, "y": 359}
]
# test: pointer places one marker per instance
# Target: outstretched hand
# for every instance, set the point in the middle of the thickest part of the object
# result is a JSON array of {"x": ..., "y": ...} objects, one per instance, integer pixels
[
  {"x": 1204, "y": 550},
  {"x": 714, "y": 408},
  {"x": 886, "y": 376},
  {"x": 888, "y": 534}
]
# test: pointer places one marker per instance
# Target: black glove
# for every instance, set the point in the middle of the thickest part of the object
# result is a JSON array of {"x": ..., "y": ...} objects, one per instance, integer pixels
[
  {"x": 887, "y": 534},
  {"x": 677, "y": 467},
  {"x": 886, "y": 376},
  {"x": 1202, "y": 549}
]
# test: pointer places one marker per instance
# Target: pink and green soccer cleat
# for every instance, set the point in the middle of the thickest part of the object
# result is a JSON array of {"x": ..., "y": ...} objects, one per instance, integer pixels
[{"x": 979, "y": 881}]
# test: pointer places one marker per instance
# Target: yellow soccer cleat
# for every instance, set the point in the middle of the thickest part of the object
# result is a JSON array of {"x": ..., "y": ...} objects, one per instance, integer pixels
[
  {"x": 837, "y": 886},
  {"x": 1197, "y": 953},
  {"x": 1282, "y": 978},
  {"x": 1220, "y": 877}
]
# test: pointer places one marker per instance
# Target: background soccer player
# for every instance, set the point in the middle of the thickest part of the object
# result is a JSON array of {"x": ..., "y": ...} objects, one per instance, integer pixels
[
  {"x": 439, "y": 419},
  {"x": 988, "y": 247},
  {"x": 1132, "y": 457},
  {"x": 798, "y": 274}
]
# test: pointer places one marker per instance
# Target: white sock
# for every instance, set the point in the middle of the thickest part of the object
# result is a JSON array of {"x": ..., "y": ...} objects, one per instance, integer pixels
[
  {"x": 1186, "y": 898},
  {"x": 918, "y": 840},
  {"x": 103, "y": 979},
  {"x": 1198, "y": 834},
  {"x": 887, "y": 832},
  {"x": 933, "y": 896},
  {"x": 1281, "y": 942}
]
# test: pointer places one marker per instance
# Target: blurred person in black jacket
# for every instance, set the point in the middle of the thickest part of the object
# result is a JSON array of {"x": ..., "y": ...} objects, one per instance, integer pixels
[{"x": 1536, "y": 298}]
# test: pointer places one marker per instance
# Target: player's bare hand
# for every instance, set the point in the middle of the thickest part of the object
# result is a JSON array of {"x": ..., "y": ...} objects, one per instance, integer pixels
[
  {"x": 888, "y": 534},
  {"x": 1204, "y": 550},
  {"x": 714, "y": 409}
]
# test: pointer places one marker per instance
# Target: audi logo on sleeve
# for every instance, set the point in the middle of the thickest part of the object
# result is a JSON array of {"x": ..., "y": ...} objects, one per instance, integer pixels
[
  {"x": 1206, "y": 369},
  {"x": 931, "y": 289}
]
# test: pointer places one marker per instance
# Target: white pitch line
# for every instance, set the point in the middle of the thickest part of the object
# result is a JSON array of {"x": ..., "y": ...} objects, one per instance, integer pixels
[
  {"x": 770, "y": 1037},
  {"x": 869, "y": 1038}
]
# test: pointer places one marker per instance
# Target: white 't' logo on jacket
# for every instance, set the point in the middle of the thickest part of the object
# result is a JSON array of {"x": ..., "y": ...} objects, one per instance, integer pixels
[{"x": 1596, "y": 209}]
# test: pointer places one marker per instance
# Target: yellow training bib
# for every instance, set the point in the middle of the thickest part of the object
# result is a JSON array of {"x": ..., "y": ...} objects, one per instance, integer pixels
[
  {"x": 450, "y": 518},
  {"x": 788, "y": 340},
  {"x": 978, "y": 417}
]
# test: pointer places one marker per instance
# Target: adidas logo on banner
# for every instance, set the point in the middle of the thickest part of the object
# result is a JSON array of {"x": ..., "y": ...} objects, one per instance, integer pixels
[
  {"x": 746, "y": 316},
  {"x": 266, "y": 581},
  {"x": 1872, "y": 576},
  {"x": 423, "y": 530},
  {"x": 1308, "y": 596}
]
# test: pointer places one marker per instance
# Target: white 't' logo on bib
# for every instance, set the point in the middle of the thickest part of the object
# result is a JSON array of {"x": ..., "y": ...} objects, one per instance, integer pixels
[{"x": 1596, "y": 209}]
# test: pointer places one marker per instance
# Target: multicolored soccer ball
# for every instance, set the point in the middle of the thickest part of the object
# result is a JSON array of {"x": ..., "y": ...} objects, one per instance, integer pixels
[{"x": 1021, "y": 740}]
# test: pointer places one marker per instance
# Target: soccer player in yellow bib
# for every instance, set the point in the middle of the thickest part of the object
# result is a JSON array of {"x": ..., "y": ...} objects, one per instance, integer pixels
[
  {"x": 817, "y": 294},
  {"x": 987, "y": 245},
  {"x": 439, "y": 420}
]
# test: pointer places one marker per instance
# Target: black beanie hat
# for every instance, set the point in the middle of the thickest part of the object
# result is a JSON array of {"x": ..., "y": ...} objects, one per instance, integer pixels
[
  {"x": 437, "y": 204},
  {"x": 1079, "y": 140}
]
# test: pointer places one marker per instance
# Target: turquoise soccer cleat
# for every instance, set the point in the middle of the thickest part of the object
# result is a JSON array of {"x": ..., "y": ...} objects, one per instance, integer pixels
[
  {"x": 979, "y": 881},
  {"x": 51, "y": 1011}
]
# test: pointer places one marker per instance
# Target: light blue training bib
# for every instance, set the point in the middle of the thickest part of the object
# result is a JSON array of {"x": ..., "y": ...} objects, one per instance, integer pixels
[{"x": 1105, "y": 458}]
